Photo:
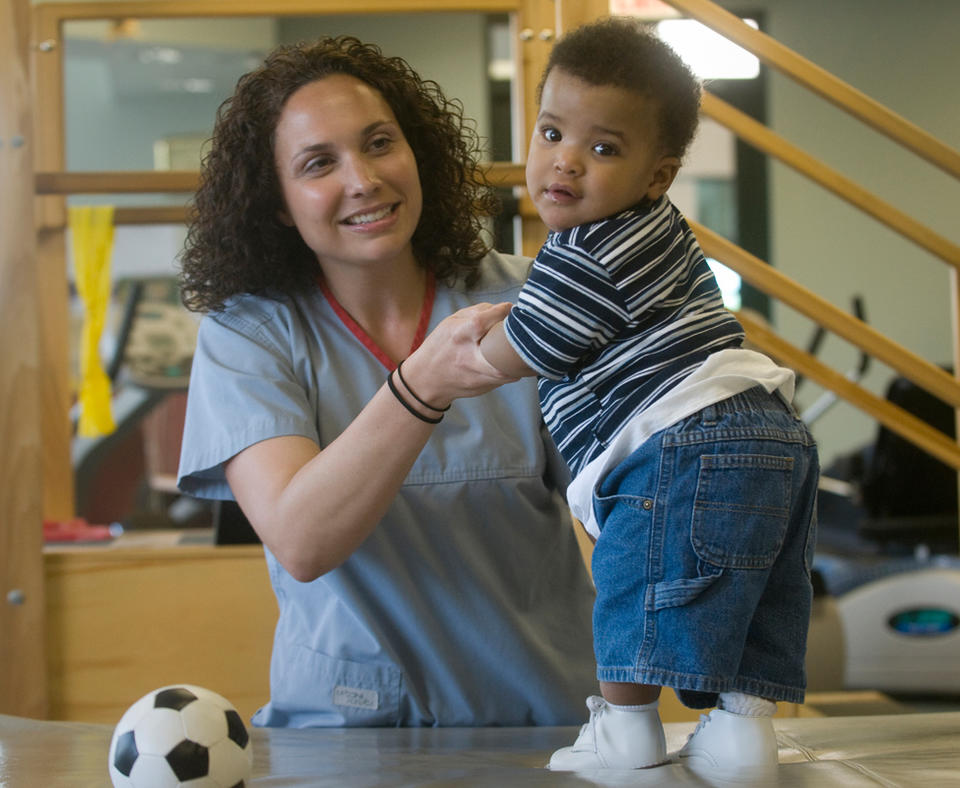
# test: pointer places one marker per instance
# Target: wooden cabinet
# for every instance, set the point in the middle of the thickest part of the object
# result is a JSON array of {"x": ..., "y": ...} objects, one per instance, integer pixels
[{"x": 150, "y": 611}]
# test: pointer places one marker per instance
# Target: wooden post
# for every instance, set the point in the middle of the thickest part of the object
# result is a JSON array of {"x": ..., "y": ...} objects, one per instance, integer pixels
[
  {"x": 537, "y": 22},
  {"x": 540, "y": 22},
  {"x": 23, "y": 682},
  {"x": 51, "y": 218},
  {"x": 574, "y": 13}
]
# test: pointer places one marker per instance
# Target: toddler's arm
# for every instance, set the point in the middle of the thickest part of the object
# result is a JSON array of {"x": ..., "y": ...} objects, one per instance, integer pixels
[{"x": 498, "y": 352}]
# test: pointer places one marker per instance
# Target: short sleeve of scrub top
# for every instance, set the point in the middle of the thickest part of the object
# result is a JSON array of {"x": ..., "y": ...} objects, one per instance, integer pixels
[{"x": 470, "y": 603}]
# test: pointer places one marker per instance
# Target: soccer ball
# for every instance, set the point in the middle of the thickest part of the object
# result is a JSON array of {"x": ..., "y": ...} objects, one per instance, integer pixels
[{"x": 180, "y": 735}]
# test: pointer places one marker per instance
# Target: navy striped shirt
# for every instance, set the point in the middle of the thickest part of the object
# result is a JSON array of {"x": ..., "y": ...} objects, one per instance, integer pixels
[{"x": 614, "y": 314}]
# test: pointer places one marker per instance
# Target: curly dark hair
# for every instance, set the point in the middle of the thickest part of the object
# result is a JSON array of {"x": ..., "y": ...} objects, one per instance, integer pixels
[
  {"x": 625, "y": 53},
  {"x": 235, "y": 242}
]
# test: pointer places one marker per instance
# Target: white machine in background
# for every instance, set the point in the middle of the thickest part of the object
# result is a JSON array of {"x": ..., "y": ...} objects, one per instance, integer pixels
[
  {"x": 901, "y": 628},
  {"x": 887, "y": 568}
]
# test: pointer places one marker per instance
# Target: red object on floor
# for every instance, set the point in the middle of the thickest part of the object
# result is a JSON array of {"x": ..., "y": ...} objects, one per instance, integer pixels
[{"x": 75, "y": 530}]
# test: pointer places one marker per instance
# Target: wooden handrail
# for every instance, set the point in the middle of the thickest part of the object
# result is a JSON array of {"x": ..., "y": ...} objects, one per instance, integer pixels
[
  {"x": 823, "y": 83},
  {"x": 767, "y": 141},
  {"x": 499, "y": 174},
  {"x": 218, "y": 8},
  {"x": 891, "y": 416},
  {"x": 769, "y": 280},
  {"x": 132, "y": 182},
  {"x": 151, "y": 214}
]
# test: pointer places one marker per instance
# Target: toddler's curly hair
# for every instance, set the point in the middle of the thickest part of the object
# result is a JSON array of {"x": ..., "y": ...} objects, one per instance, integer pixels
[{"x": 623, "y": 52}]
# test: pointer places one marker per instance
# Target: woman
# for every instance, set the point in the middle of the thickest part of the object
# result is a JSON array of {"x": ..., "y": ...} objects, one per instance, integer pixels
[{"x": 423, "y": 561}]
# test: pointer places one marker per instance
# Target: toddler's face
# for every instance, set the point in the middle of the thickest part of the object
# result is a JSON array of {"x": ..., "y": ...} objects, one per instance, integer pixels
[{"x": 594, "y": 152}]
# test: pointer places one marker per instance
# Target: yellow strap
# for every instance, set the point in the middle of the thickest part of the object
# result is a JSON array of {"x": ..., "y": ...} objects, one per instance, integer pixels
[{"x": 92, "y": 229}]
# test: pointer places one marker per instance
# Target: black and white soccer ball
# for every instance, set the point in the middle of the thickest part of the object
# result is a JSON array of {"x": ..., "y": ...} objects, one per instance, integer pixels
[{"x": 180, "y": 735}]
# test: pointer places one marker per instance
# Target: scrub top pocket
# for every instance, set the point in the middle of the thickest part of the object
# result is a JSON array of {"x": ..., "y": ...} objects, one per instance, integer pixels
[{"x": 346, "y": 693}]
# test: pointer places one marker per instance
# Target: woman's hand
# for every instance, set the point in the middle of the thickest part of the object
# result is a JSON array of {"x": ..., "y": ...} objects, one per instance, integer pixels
[{"x": 449, "y": 364}]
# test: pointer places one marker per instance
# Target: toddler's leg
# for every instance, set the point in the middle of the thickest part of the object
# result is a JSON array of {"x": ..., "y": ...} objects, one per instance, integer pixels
[
  {"x": 736, "y": 738},
  {"x": 623, "y": 694},
  {"x": 624, "y": 732}
]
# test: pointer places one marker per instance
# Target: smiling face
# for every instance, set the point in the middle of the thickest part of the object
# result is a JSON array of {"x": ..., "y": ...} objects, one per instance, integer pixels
[
  {"x": 595, "y": 151},
  {"x": 349, "y": 179}
]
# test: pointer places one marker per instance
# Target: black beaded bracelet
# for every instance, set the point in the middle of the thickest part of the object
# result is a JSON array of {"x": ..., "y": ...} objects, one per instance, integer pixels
[
  {"x": 413, "y": 394},
  {"x": 408, "y": 406}
]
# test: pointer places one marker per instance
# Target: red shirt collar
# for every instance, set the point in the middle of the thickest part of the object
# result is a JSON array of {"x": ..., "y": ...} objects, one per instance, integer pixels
[{"x": 357, "y": 330}]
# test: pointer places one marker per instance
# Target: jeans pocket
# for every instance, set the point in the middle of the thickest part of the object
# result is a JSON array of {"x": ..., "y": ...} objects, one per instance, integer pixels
[{"x": 742, "y": 509}]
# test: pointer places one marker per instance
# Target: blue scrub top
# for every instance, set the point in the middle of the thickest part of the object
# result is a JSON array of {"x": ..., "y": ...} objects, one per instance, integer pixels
[{"x": 469, "y": 603}]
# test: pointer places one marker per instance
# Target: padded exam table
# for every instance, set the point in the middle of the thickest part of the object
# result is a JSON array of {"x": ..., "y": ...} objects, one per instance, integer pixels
[{"x": 890, "y": 750}]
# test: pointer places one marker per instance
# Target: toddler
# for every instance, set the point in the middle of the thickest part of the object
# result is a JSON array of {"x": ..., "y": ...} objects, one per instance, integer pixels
[{"x": 691, "y": 471}]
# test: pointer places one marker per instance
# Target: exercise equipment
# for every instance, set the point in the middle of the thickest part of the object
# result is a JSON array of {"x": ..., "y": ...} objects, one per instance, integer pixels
[{"x": 887, "y": 554}]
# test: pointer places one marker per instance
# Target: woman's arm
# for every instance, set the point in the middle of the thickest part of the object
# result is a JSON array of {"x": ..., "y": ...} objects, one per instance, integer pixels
[{"x": 313, "y": 508}]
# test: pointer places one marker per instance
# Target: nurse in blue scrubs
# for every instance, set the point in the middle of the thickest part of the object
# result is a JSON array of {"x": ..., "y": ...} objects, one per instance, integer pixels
[{"x": 415, "y": 532}]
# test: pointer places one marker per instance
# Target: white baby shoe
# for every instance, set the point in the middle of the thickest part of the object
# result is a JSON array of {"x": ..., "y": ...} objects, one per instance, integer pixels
[
  {"x": 614, "y": 739},
  {"x": 732, "y": 744}
]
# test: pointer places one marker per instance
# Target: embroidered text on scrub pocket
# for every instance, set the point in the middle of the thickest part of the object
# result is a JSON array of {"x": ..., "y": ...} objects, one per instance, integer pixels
[{"x": 356, "y": 698}]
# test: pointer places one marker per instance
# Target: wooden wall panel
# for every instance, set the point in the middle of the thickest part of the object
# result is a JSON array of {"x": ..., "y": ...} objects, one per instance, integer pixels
[
  {"x": 22, "y": 676},
  {"x": 122, "y": 621}
]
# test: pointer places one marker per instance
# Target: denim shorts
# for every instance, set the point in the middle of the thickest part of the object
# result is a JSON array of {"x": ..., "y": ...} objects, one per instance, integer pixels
[{"x": 702, "y": 566}]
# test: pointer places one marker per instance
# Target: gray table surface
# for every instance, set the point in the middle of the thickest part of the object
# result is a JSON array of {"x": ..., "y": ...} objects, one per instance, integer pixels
[{"x": 889, "y": 750}]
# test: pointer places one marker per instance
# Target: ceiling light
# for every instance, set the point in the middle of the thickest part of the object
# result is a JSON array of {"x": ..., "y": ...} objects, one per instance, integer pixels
[
  {"x": 166, "y": 55},
  {"x": 708, "y": 54}
]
